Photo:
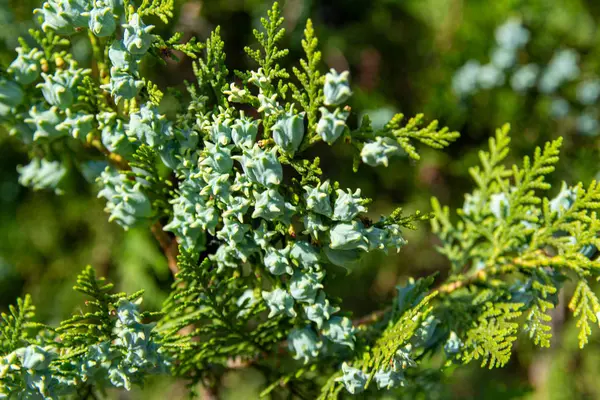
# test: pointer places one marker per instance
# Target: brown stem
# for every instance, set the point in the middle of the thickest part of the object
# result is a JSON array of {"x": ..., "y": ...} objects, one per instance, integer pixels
[
  {"x": 168, "y": 245},
  {"x": 444, "y": 288}
]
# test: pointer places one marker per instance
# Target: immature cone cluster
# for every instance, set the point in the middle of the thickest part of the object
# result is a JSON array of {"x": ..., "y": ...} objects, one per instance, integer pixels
[
  {"x": 134, "y": 353},
  {"x": 236, "y": 193},
  {"x": 234, "y": 190},
  {"x": 126, "y": 202},
  {"x": 125, "y": 56}
]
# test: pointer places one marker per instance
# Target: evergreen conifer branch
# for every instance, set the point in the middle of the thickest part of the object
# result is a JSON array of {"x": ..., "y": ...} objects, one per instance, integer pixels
[
  {"x": 252, "y": 229},
  {"x": 16, "y": 323},
  {"x": 585, "y": 307},
  {"x": 269, "y": 54}
]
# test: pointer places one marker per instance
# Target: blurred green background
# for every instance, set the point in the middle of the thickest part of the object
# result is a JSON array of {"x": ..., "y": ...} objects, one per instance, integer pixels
[{"x": 403, "y": 55}]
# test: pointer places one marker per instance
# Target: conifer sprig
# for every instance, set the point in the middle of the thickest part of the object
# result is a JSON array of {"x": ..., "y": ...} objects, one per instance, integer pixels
[
  {"x": 267, "y": 57},
  {"x": 311, "y": 80},
  {"x": 16, "y": 323}
]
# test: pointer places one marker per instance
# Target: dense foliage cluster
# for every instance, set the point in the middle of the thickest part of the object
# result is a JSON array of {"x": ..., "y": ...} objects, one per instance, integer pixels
[{"x": 254, "y": 231}]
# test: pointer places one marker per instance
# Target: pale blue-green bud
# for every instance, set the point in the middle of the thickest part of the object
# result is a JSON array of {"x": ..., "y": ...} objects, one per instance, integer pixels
[
  {"x": 314, "y": 226},
  {"x": 121, "y": 59},
  {"x": 268, "y": 105},
  {"x": 261, "y": 166},
  {"x": 148, "y": 126},
  {"x": 207, "y": 216},
  {"x": 243, "y": 132},
  {"x": 26, "y": 67},
  {"x": 11, "y": 95},
  {"x": 320, "y": 311},
  {"x": 78, "y": 124},
  {"x": 233, "y": 232},
  {"x": 339, "y": 330},
  {"x": 377, "y": 238},
  {"x": 191, "y": 237},
  {"x": 64, "y": 16},
  {"x": 259, "y": 79},
  {"x": 129, "y": 206},
  {"x": 288, "y": 131},
  {"x": 113, "y": 134},
  {"x": 348, "y": 205},
  {"x": 237, "y": 207},
  {"x": 277, "y": 262},
  {"x": 136, "y": 35},
  {"x": 236, "y": 94},
  {"x": 304, "y": 344},
  {"x": 122, "y": 85},
  {"x": 386, "y": 378},
  {"x": 35, "y": 357},
  {"x": 377, "y": 152},
  {"x": 331, "y": 125},
  {"x": 220, "y": 130},
  {"x": 337, "y": 88},
  {"x": 42, "y": 174},
  {"x": 55, "y": 18},
  {"x": 126, "y": 202},
  {"x": 304, "y": 285},
  {"x": 268, "y": 205},
  {"x": 354, "y": 379},
  {"x": 60, "y": 89},
  {"x": 394, "y": 237},
  {"x": 102, "y": 21},
  {"x": 304, "y": 254},
  {"x": 46, "y": 122},
  {"x": 217, "y": 157},
  {"x": 317, "y": 198},
  {"x": 348, "y": 236},
  {"x": 279, "y": 301},
  {"x": 217, "y": 185},
  {"x": 263, "y": 235}
]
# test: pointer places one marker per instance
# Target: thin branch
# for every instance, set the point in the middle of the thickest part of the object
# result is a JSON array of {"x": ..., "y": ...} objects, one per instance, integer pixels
[{"x": 168, "y": 246}]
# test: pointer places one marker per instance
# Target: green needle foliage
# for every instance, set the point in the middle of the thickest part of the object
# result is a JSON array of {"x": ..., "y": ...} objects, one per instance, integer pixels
[{"x": 254, "y": 232}]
